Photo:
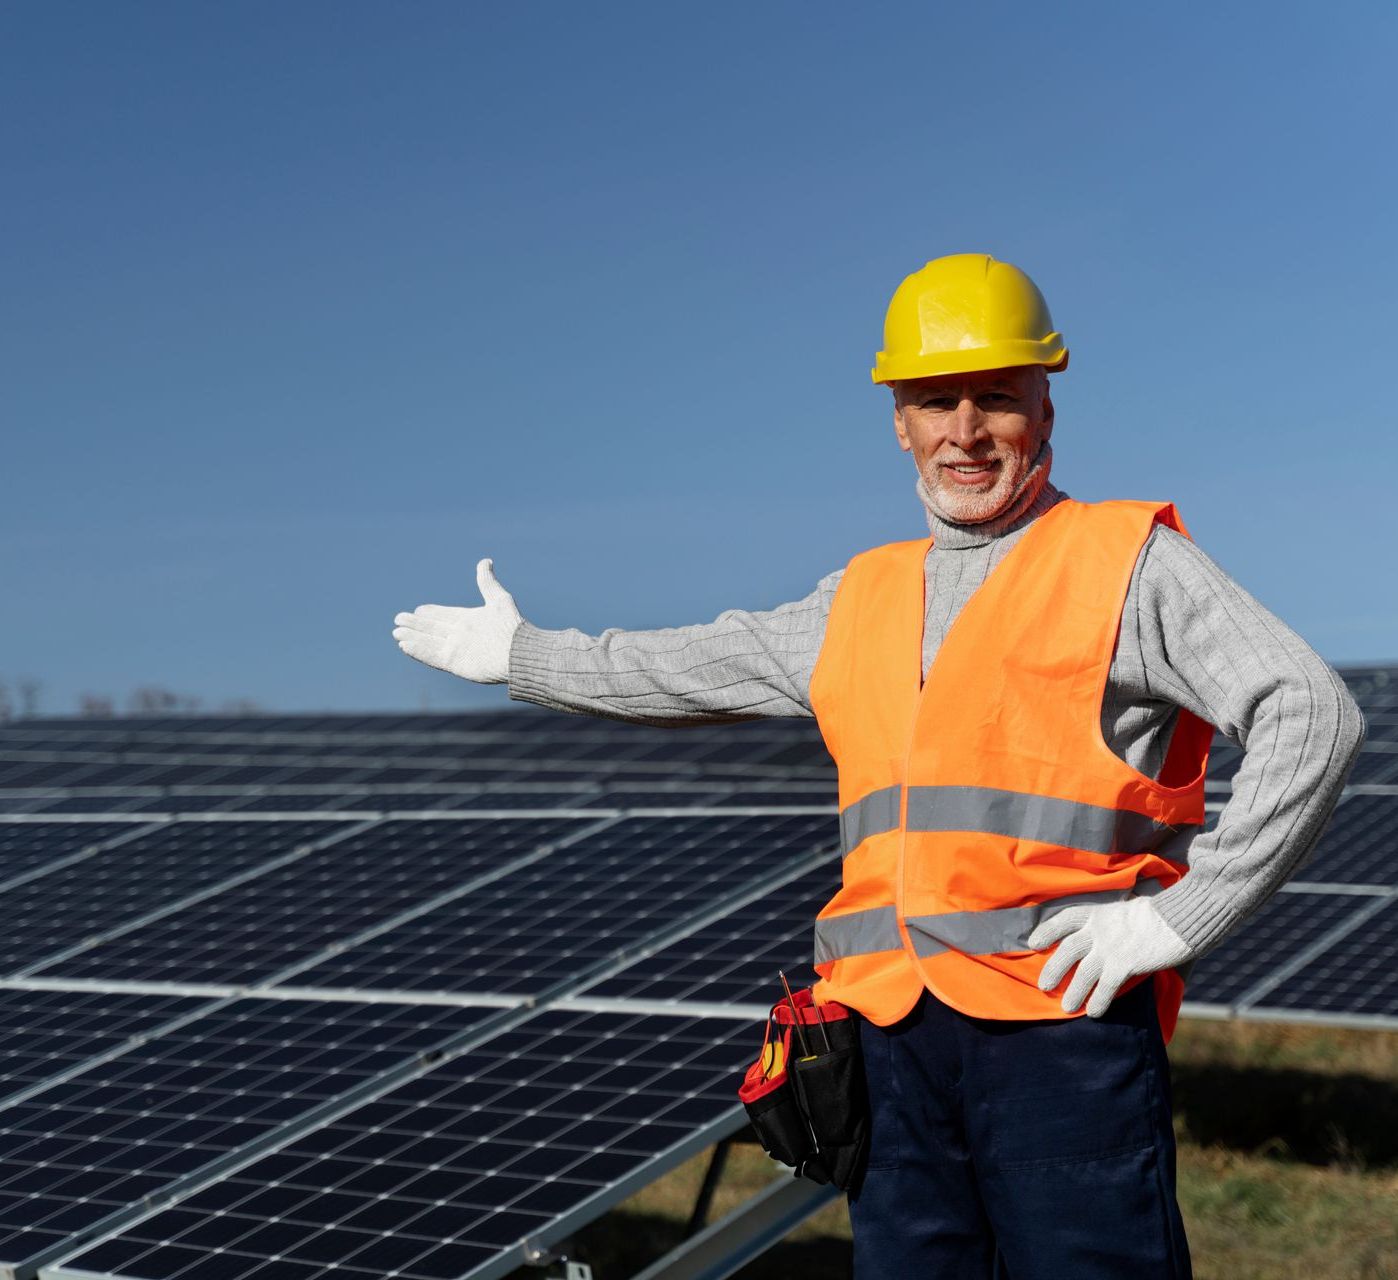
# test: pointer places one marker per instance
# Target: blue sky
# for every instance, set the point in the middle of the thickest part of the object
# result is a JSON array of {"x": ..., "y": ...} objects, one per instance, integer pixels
[{"x": 307, "y": 307}]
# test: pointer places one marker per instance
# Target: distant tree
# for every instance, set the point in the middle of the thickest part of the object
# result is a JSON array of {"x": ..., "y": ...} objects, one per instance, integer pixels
[
  {"x": 20, "y": 699},
  {"x": 30, "y": 690},
  {"x": 96, "y": 706},
  {"x": 155, "y": 700}
]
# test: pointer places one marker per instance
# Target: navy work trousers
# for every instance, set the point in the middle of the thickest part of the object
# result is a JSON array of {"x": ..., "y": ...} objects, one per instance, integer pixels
[{"x": 1019, "y": 1150}]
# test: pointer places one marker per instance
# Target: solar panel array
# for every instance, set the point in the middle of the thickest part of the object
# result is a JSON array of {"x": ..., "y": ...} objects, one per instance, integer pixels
[{"x": 418, "y": 996}]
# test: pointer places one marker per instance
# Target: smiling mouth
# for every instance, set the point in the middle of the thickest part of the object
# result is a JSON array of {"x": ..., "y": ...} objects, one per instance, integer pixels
[
  {"x": 971, "y": 474},
  {"x": 972, "y": 468}
]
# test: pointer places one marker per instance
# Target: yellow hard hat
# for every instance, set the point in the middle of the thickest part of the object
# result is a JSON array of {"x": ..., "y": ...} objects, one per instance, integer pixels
[{"x": 963, "y": 313}]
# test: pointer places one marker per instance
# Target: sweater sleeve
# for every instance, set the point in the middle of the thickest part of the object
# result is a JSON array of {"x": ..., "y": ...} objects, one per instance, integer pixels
[
  {"x": 1207, "y": 645},
  {"x": 741, "y": 666}
]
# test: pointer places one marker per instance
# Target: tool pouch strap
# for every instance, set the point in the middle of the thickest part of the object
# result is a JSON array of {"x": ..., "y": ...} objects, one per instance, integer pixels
[{"x": 813, "y": 1112}]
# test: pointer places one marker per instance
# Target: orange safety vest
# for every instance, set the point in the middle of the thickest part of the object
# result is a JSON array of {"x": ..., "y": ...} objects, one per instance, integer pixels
[{"x": 974, "y": 805}]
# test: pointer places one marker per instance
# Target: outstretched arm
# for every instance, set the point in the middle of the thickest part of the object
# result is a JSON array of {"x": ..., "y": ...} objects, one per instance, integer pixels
[{"x": 744, "y": 665}]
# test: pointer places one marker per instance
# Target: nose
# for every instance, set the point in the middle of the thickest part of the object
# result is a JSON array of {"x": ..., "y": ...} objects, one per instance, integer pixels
[{"x": 966, "y": 423}]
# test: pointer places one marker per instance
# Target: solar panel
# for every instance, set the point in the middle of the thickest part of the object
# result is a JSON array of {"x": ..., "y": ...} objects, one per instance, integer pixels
[
  {"x": 29, "y": 846},
  {"x": 1382, "y": 727},
  {"x": 17, "y": 800},
  {"x": 102, "y": 1140},
  {"x": 1271, "y": 938},
  {"x": 333, "y": 801},
  {"x": 484, "y": 799},
  {"x": 245, "y": 775},
  {"x": 44, "y": 1033},
  {"x": 364, "y": 798},
  {"x": 1360, "y": 846},
  {"x": 439, "y": 1157},
  {"x": 1355, "y": 975},
  {"x": 735, "y": 959},
  {"x": 491, "y": 771},
  {"x": 87, "y": 804},
  {"x": 439, "y": 1177},
  {"x": 253, "y": 930},
  {"x": 1374, "y": 767},
  {"x": 538, "y": 926},
  {"x": 51, "y": 913},
  {"x": 659, "y": 797},
  {"x": 51, "y": 773},
  {"x": 1224, "y": 759},
  {"x": 182, "y": 801}
]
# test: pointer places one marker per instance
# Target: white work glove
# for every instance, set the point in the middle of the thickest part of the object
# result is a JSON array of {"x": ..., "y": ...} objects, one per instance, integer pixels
[
  {"x": 471, "y": 643},
  {"x": 1109, "y": 942}
]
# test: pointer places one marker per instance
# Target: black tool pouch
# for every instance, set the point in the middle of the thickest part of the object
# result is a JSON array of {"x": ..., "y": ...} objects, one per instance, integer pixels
[{"x": 811, "y": 1111}]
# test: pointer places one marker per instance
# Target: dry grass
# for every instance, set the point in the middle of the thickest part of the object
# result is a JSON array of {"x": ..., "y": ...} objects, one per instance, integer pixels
[
  {"x": 1328, "y": 1050},
  {"x": 1253, "y": 1217},
  {"x": 1288, "y": 1167}
]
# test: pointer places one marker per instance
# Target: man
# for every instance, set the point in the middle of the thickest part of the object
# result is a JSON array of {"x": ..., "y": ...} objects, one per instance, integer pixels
[{"x": 1020, "y": 709}]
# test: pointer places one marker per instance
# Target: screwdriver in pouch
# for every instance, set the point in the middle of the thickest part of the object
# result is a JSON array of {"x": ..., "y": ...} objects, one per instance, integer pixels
[{"x": 796, "y": 1018}]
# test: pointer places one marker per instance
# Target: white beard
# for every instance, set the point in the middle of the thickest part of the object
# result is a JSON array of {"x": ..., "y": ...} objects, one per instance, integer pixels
[
  {"x": 995, "y": 505},
  {"x": 964, "y": 505}
]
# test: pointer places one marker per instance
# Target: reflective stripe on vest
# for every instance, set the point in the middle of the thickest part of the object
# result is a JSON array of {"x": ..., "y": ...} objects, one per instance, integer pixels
[
  {"x": 975, "y": 933},
  {"x": 1044, "y": 819},
  {"x": 857, "y": 933},
  {"x": 870, "y": 816}
]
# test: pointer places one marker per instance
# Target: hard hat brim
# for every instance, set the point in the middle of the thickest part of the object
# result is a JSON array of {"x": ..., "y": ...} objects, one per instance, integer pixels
[{"x": 1051, "y": 353}]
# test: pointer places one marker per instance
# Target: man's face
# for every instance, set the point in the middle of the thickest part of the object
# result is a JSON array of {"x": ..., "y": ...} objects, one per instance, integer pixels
[{"x": 974, "y": 436}]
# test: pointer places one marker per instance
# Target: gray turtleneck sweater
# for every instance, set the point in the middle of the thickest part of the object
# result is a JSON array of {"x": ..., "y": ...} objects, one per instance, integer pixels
[{"x": 1190, "y": 637}]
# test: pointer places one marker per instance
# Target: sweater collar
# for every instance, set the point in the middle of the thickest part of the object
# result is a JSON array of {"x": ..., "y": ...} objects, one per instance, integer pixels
[{"x": 1036, "y": 495}]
